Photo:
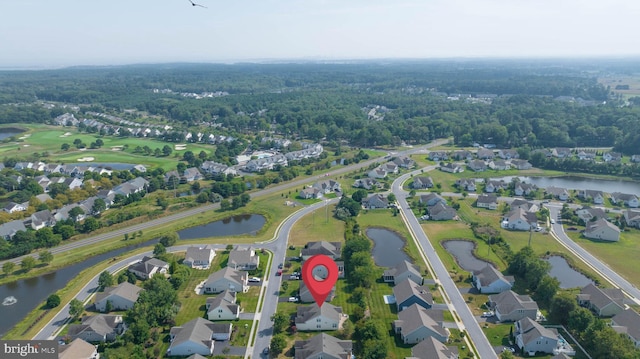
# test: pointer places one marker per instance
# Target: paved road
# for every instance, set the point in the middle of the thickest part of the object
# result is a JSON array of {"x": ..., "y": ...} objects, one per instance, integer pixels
[
  {"x": 609, "y": 274},
  {"x": 210, "y": 207},
  {"x": 484, "y": 348}
]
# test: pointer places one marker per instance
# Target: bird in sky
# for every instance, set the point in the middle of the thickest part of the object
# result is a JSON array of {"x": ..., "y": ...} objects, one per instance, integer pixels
[{"x": 196, "y": 4}]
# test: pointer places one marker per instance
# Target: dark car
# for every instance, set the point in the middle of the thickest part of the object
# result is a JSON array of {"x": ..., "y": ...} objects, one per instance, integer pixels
[{"x": 280, "y": 266}]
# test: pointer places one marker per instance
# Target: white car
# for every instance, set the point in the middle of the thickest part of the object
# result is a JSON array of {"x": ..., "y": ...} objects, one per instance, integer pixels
[
  {"x": 487, "y": 314},
  {"x": 553, "y": 221},
  {"x": 293, "y": 299},
  {"x": 254, "y": 279}
]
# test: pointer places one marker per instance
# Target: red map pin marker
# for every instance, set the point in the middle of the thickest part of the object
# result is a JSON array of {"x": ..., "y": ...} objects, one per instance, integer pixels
[{"x": 320, "y": 288}]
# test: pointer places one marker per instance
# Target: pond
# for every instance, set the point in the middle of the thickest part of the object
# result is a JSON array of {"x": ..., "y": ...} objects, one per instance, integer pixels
[
  {"x": 8, "y": 132},
  {"x": 30, "y": 292},
  {"x": 388, "y": 247},
  {"x": 568, "y": 277},
  {"x": 462, "y": 251},
  {"x": 231, "y": 226},
  {"x": 580, "y": 183}
]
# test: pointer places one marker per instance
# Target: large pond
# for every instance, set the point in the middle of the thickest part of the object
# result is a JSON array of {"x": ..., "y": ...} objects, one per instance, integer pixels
[
  {"x": 388, "y": 247},
  {"x": 567, "y": 276},
  {"x": 231, "y": 226},
  {"x": 33, "y": 291},
  {"x": 8, "y": 132},
  {"x": 580, "y": 183},
  {"x": 462, "y": 251}
]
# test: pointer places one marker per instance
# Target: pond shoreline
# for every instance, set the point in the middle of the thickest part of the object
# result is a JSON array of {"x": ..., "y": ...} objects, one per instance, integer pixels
[{"x": 473, "y": 252}]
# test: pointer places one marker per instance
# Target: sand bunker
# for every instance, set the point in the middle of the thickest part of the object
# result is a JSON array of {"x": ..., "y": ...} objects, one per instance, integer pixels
[
  {"x": 26, "y": 145},
  {"x": 117, "y": 148},
  {"x": 66, "y": 134},
  {"x": 85, "y": 159},
  {"x": 180, "y": 147}
]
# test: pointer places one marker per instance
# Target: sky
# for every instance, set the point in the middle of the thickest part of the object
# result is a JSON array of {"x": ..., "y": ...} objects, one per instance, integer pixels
[{"x": 58, "y": 33}]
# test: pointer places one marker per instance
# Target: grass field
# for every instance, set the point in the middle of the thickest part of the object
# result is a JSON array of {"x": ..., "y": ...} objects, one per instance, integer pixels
[{"x": 319, "y": 225}]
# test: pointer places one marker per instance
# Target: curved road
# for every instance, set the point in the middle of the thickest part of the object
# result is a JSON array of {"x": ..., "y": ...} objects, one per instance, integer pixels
[{"x": 483, "y": 347}]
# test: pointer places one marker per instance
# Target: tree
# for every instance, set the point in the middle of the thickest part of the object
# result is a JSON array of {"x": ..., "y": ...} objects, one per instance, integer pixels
[
  {"x": 580, "y": 319},
  {"x": 546, "y": 290},
  {"x": 225, "y": 205},
  {"x": 169, "y": 239},
  {"x": 75, "y": 212},
  {"x": 166, "y": 150},
  {"x": 65, "y": 147},
  {"x": 99, "y": 205},
  {"x": 45, "y": 257},
  {"x": 28, "y": 263},
  {"x": 105, "y": 280},
  {"x": 159, "y": 250},
  {"x": 561, "y": 305},
  {"x": 278, "y": 344},
  {"x": 8, "y": 267},
  {"x": 53, "y": 301},
  {"x": 90, "y": 224},
  {"x": 280, "y": 322},
  {"x": 76, "y": 308},
  {"x": 359, "y": 195}
]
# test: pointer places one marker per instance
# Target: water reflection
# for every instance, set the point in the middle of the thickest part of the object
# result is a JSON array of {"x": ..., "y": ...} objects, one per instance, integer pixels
[
  {"x": 388, "y": 247},
  {"x": 230, "y": 226}
]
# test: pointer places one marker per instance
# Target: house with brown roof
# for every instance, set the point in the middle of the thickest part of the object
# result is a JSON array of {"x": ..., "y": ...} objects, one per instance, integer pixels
[
  {"x": 605, "y": 302},
  {"x": 416, "y": 324},
  {"x": 509, "y": 306}
]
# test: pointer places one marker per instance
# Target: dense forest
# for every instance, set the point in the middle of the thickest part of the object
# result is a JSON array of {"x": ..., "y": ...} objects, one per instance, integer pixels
[{"x": 508, "y": 103}]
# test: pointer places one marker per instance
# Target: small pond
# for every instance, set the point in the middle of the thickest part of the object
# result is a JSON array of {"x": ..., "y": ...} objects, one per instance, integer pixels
[
  {"x": 388, "y": 247},
  {"x": 568, "y": 277},
  {"x": 231, "y": 226},
  {"x": 462, "y": 251},
  {"x": 8, "y": 132}
]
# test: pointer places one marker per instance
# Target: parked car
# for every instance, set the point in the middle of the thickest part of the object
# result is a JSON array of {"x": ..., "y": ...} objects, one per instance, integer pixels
[
  {"x": 254, "y": 279},
  {"x": 280, "y": 266},
  {"x": 293, "y": 299},
  {"x": 266, "y": 350},
  {"x": 279, "y": 272},
  {"x": 487, "y": 314}
]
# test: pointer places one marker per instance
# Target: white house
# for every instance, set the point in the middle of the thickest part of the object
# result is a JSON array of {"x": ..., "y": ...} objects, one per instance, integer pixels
[
  {"x": 416, "y": 324},
  {"x": 227, "y": 278},
  {"x": 199, "y": 257},
  {"x": 489, "y": 201},
  {"x": 98, "y": 328},
  {"x": 323, "y": 346},
  {"x": 603, "y": 230},
  {"x": 148, "y": 267},
  {"x": 78, "y": 349},
  {"x": 243, "y": 259},
  {"x": 223, "y": 306},
  {"x": 557, "y": 192},
  {"x": 604, "y": 302},
  {"x": 533, "y": 337},
  {"x": 520, "y": 220},
  {"x": 490, "y": 280},
  {"x": 197, "y": 337},
  {"x": 404, "y": 270},
  {"x": 630, "y": 200},
  {"x": 122, "y": 297},
  {"x": 627, "y": 322},
  {"x": 510, "y": 306},
  {"x": 314, "y": 318}
]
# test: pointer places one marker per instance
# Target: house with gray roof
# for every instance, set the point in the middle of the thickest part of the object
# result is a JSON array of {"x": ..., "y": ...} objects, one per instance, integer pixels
[
  {"x": 377, "y": 172},
  {"x": 409, "y": 292},
  {"x": 416, "y": 324},
  {"x": 199, "y": 257},
  {"x": 331, "y": 249},
  {"x": 532, "y": 337},
  {"x": 78, "y": 349},
  {"x": 192, "y": 174},
  {"x": 327, "y": 186},
  {"x": 375, "y": 201},
  {"x": 98, "y": 328},
  {"x": 441, "y": 212},
  {"x": 499, "y": 165},
  {"x": 323, "y": 346},
  {"x": 122, "y": 297},
  {"x": 508, "y": 154},
  {"x": 42, "y": 219},
  {"x": 493, "y": 186},
  {"x": 367, "y": 183},
  {"x": 438, "y": 156},
  {"x": 477, "y": 165},
  {"x": 451, "y": 167},
  {"x": 627, "y": 322},
  {"x": 556, "y": 192},
  {"x": 421, "y": 182},
  {"x": 430, "y": 199},
  {"x": 215, "y": 168},
  {"x": 520, "y": 220},
  {"x": 13, "y": 207},
  {"x": 466, "y": 184},
  {"x": 602, "y": 230},
  {"x": 524, "y": 189},
  {"x": 485, "y": 154},
  {"x": 462, "y": 155},
  {"x": 510, "y": 306},
  {"x": 243, "y": 259},
  {"x": 488, "y": 201},
  {"x": 561, "y": 152},
  {"x": 597, "y": 197},
  {"x": 627, "y": 199},
  {"x": 314, "y": 318},
  {"x": 404, "y": 162},
  {"x": 590, "y": 214},
  {"x": 490, "y": 280},
  {"x": 430, "y": 348},
  {"x": 604, "y": 302},
  {"x": 401, "y": 272},
  {"x": 306, "y": 296},
  {"x": 521, "y": 164},
  {"x": 528, "y": 206},
  {"x": 9, "y": 229},
  {"x": 632, "y": 218},
  {"x": 227, "y": 278},
  {"x": 148, "y": 267},
  {"x": 310, "y": 192},
  {"x": 223, "y": 306},
  {"x": 197, "y": 336}
]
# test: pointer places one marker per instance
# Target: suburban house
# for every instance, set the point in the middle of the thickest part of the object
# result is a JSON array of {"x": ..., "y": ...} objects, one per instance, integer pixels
[
  {"x": 13, "y": 207},
  {"x": 524, "y": 189},
  {"x": 532, "y": 337},
  {"x": 420, "y": 182},
  {"x": 306, "y": 296},
  {"x": 416, "y": 324},
  {"x": 192, "y": 174},
  {"x": 525, "y": 205},
  {"x": 367, "y": 183},
  {"x": 323, "y": 346},
  {"x": 451, "y": 168},
  {"x": 430, "y": 199},
  {"x": 430, "y": 348},
  {"x": 121, "y": 297},
  {"x": 466, "y": 184},
  {"x": 597, "y": 197},
  {"x": 438, "y": 156},
  {"x": 488, "y": 201},
  {"x": 9, "y": 229},
  {"x": 612, "y": 157},
  {"x": 223, "y": 306},
  {"x": 98, "y": 328},
  {"x": 377, "y": 173},
  {"x": 590, "y": 214},
  {"x": 404, "y": 162},
  {"x": 409, "y": 292},
  {"x": 78, "y": 349},
  {"x": 331, "y": 249},
  {"x": 461, "y": 155},
  {"x": 375, "y": 201},
  {"x": 485, "y": 154},
  {"x": 197, "y": 336},
  {"x": 508, "y": 154},
  {"x": 510, "y": 306},
  {"x": 632, "y": 218},
  {"x": 490, "y": 280},
  {"x": 629, "y": 200},
  {"x": 441, "y": 212},
  {"x": 586, "y": 156},
  {"x": 390, "y": 167},
  {"x": 602, "y": 230},
  {"x": 499, "y": 165},
  {"x": 215, "y": 168},
  {"x": 561, "y": 152},
  {"x": 520, "y": 220},
  {"x": 401, "y": 272},
  {"x": 243, "y": 259},
  {"x": 314, "y": 318},
  {"x": 627, "y": 322},
  {"x": 521, "y": 164},
  {"x": 199, "y": 257},
  {"x": 556, "y": 192},
  {"x": 148, "y": 267},
  {"x": 477, "y": 165},
  {"x": 603, "y": 302},
  {"x": 493, "y": 186},
  {"x": 266, "y": 163},
  {"x": 227, "y": 278},
  {"x": 310, "y": 192},
  {"x": 327, "y": 186}
]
